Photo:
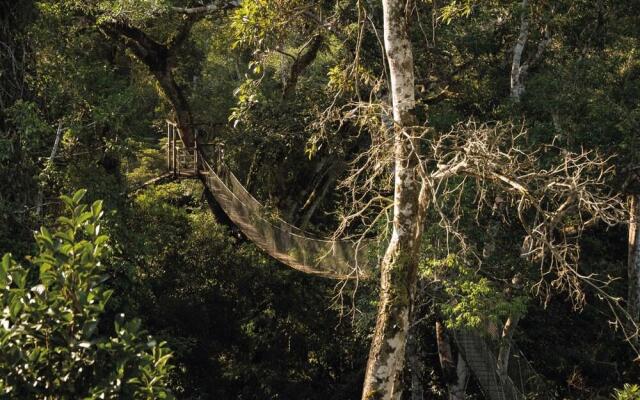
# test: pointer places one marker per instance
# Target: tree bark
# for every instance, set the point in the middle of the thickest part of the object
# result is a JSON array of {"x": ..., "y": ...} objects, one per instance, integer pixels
[
  {"x": 633, "y": 261},
  {"x": 520, "y": 69},
  {"x": 399, "y": 265},
  {"x": 517, "y": 68},
  {"x": 300, "y": 64}
]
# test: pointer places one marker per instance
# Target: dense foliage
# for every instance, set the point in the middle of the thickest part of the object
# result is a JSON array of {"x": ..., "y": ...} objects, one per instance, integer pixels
[{"x": 294, "y": 91}]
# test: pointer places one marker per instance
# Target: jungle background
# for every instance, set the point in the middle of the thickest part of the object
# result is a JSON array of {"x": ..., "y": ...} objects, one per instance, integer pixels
[{"x": 84, "y": 96}]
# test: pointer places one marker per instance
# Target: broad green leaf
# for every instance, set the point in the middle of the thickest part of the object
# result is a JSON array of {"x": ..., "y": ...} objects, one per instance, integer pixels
[{"x": 78, "y": 195}]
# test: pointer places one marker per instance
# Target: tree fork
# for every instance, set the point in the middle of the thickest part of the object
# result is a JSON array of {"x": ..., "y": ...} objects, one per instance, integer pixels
[{"x": 159, "y": 58}]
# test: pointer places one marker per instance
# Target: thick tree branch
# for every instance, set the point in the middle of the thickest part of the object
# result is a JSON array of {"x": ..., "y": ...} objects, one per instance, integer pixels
[
  {"x": 159, "y": 58},
  {"x": 306, "y": 57}
]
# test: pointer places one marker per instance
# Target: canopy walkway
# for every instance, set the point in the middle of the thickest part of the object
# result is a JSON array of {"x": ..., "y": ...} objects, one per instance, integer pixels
[
  {"x": 478, "y": 352},
  {"x": 330, "y": 258}
]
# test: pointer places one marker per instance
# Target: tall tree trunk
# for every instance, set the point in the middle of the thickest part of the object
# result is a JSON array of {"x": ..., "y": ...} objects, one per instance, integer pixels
[
  {"x": 455, "y": 373},
  {"x": 517, "y": 67},
  {"x": 399, "y": 265},
  {"x": 633, "y": 266},
  {"x": 160, "y": 59}
]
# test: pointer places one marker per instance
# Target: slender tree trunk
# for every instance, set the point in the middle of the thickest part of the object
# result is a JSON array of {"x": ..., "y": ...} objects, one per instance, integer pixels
[
  {"x": 54, "y": 152},
  {"x": 633, "y": 266},
  {"x": 399, "y": 265},
  {"x": 504, "y": 350},
  {"x": 320, "y": 192},
  {"x": 517, "y": 67}
]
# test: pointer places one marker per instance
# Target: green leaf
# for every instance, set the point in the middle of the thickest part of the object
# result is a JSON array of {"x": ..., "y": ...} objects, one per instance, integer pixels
[
  {"x": 19, "y": 277},
  {"x": 78, "y": 195},
  {"x": 4, "y": 269},
  {"x": 46, "y": 235},
  {"x": 78, "y": 210},
  {"x": 89, "y": 328},
  {"x": 66, "y": 221},
  {"x": 100, "y": 240},
  {"x": 48, "y": 277},
  {"x": 96, "y": 208},
  {"x": 15, "y": 306},
  {"x": 84, "y": 217},
  {"x": 67, "y": 200}
]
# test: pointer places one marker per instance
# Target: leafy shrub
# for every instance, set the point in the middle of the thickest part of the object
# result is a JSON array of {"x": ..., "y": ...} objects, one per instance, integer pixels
[
  {"x": 51, "y": 345},
  {"x": 628, "y": 392}
]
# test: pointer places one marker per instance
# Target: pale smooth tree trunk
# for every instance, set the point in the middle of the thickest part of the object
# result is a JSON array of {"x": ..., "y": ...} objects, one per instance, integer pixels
[
  {"x": 517, "y": 67},
  {"x": 399, "y": 265},
  {"x": 633, "y": 266}
]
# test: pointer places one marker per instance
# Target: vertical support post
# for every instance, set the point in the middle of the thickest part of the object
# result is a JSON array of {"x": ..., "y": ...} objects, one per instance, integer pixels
[
  {"x": 195, "y": 153},
  {"x": 173, "y": 144},
  {"x": 168, "y": 146}
]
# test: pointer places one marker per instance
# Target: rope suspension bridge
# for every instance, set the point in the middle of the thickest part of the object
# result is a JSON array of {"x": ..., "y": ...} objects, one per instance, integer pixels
[{"x": 330, "y": 258}]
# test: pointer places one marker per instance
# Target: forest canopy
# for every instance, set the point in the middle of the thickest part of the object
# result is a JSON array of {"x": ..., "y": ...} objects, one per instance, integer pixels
[{"x": 296, "y": 199}]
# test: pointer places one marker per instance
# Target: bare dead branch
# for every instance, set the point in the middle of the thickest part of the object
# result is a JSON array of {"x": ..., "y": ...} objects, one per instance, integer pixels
[{"x": 554, "y": 201}]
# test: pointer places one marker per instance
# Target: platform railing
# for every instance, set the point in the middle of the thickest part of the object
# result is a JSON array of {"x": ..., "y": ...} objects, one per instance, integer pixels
[{"x": 181, "y": 160}]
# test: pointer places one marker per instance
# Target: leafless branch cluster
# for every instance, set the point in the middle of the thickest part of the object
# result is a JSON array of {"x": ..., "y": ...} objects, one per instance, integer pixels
[
  {"x": 551, "y": 194},
  {"x": 554, "y": 194},
  {"x": 368, "y": 185}
]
